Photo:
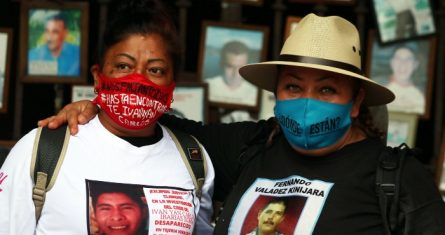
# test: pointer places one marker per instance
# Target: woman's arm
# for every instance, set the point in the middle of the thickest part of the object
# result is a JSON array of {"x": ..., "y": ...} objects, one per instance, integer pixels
[
  {"x": 17, "y": 208},
  {"x": 224, "y": 144},
  {"x": 80, "y": 112},
  {"x": 203, "y": 220},
  {"x": 218, "y": 139}
]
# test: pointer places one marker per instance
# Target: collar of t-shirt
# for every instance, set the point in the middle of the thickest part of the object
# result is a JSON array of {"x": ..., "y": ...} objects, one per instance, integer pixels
[{"x": 144, "y": 140}]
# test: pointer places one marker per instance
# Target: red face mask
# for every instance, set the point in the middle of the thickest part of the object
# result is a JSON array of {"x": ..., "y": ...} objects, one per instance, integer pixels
[{"x": 133, "y": 101}]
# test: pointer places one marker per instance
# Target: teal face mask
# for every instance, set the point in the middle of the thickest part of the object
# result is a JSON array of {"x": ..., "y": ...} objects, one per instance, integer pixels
[{"x": 312, "y": 124}]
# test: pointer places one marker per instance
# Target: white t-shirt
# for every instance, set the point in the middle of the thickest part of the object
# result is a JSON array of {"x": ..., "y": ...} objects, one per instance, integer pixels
[{"x": 95, "y": 154}]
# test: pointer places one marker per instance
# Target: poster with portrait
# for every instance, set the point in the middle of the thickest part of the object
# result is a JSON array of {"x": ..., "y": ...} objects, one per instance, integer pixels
[
  {"x": 402, "y": 128},
  {"x": 267, "y": 105},
  {"x": 5, "y": 63},
  {"x": 402, "y": 20},
  {"x": 190, "y": 101},
  {"x": 53, "y": 46},
  {"x": 82, "y": 92},
  {"x": 406, "y": 68},
  {"x": 237, "y": 115},
  {"x": 224, "y": 49}
]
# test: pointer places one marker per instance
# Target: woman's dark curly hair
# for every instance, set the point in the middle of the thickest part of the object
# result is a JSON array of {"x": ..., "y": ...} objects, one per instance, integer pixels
[{"x": 128, "y": 17}]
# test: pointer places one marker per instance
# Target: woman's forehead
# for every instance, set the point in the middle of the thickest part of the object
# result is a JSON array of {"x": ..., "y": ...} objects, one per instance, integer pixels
[
  {"x": 151, "y": 43},
  {"x": 310, "y": 73}
]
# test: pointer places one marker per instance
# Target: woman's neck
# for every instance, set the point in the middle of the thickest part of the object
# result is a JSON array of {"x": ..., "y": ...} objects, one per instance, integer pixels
[
  {"x": 117, "y": 130},
  {"x": 353, "y": 135}
]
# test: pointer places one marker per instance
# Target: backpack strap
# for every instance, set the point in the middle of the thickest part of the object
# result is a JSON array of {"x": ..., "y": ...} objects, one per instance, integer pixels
[
  {"x": 47, "y": 156},
  {"x": 388, "y": 173},
  {"x": 191, "y": 153}
]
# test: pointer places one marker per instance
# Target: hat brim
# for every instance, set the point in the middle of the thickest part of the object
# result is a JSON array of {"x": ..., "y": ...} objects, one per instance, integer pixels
[{"x": 264, "y": 75}]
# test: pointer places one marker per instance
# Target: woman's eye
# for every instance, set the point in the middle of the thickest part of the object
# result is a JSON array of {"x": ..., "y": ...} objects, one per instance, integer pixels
[
  {"x": 122, "y": 67},
  {"x": 156, "y": 71},
  {"x": 328, "y": 90},
  {"x": 293, "y": 88}
]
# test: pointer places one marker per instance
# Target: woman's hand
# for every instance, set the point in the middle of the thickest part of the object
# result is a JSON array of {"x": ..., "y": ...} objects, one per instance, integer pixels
[{"x": 76, "y": 113}]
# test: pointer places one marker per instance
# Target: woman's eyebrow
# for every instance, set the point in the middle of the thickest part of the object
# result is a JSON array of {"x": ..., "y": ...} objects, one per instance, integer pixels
[
  {"x": 326, "y": 77},
  {"x": 151, "y": 60},
  {"x": 126, "y": 55}
]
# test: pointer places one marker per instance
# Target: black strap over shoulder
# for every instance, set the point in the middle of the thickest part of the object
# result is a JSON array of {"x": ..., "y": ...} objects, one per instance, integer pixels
[
  {"x": 193, "y": 152},
  {"x": 47, "y": 156},
  {"x": 192, "y": 156},
  {"x": 388, "y": 174},
  {"x": 49, "y": 150}
]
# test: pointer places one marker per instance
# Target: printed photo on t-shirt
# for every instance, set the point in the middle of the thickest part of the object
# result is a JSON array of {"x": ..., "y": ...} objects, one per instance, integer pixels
[
  {"x": 273, "y": 215},
  {"x": 290, "y": 205},
  {"x": 130, "y": 209},
  {"x": 117, "y": 208}
]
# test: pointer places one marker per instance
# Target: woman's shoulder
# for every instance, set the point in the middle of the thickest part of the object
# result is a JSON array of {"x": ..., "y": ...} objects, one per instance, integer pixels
[
  {"x": 21, "y": 152},
  {"x": 255, "y": 129},
  {"x": 369, "y": 144}
]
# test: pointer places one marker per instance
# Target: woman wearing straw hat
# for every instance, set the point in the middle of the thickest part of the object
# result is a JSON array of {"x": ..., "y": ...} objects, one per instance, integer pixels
[{"x": 322, "y": 149}]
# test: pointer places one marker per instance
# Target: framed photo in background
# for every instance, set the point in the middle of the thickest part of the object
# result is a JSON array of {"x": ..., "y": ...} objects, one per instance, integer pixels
[
  {"x": 54, "y": 41},
  {"x": 267, "y": 105},
  {"x": 5, "y": 66},
  {"x": 402, "y": 128},
  {"x": 406, "y": 68},
  {"x": 247, "y": 2},
  {"x": 402, "y": 20},
  {"x": 224, "y": 48},
  {"x": 291, "y": 23},
  {"x": 82, "y": 92},
  {"x": 190, "y": 101}
]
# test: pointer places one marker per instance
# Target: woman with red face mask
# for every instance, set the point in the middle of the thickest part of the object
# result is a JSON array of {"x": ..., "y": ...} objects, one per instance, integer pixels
[{"x": 124, "y": 144}]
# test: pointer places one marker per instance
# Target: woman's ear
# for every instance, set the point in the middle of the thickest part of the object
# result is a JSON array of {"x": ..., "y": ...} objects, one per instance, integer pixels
[
  {"x": 95, "y": 72},
  {"x": 357, "y": 103}
]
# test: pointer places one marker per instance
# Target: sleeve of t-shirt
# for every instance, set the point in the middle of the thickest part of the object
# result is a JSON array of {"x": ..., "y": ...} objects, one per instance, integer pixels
[
  {"x": 203, "y": 222},
  {"x": 223, "y": 142},
  {"x": 421, "y": 203},
  {"x": 17, "y": 212}
]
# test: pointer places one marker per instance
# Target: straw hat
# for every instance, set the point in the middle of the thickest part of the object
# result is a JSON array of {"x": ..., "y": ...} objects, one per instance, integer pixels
[{"x": 326, "y": 43}]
